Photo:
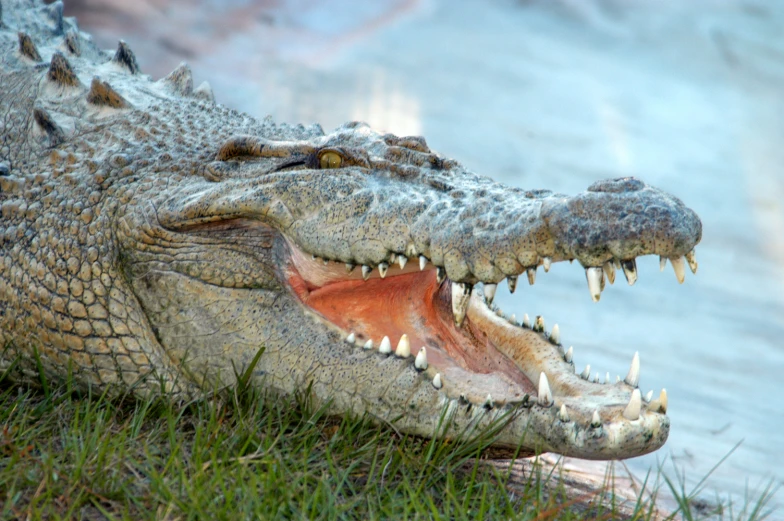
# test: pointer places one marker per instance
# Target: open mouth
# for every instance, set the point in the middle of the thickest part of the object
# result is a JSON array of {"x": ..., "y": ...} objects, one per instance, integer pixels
[{"x": 457, "y": 338}]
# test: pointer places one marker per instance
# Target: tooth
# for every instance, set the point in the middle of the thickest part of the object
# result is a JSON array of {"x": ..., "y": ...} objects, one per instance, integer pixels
[
  {"x": 546, "y": 263},
  {"x": 539, "y": 324},
  {"x": 403, "y": 349},
  {"x": 679, "y": 268},
  {"x": 545, "y": 397},
  {"x": 617, "y": 263},
  {"x": 351, "y": 338},
  {"x": 420, "y": 362},
  {"x": 649, "y": 396},
  {"x": 402, "y": 260},
  {"x": 586, "y": 372},
  {"x": 313, "y": 257},
  {"x": 569, "y": 356},
  {"x": 366, "y": 271},
  {"x": 526, "y": 320},
  {"x": 350, "y": 267},
  {"x": 392, "y": 258},
  {"x": 511, "y": 280},
  {"x": 617, "y": 378},
  {"x": 662, "y": 263},
  {"x": 422, "y": 262},
  {"x": 386, "y": 346},
  {"x": 596, "y": 378},
  {"x": 596, "y": 421},
  {"x": 382, "y": 269},
  {"x": 531, "y": 272},
  {"x": 663, "y": 401},
  {"x": 555, "y": 335},
  {"x": 326, "y": 262},
  {"x": 595, "y": 276},
  {"x": 490, "y": 292},
  {"x": 513, "y": 319},
  {"x": 691, "y": 258},
  {"x": 609, "y": 271},
  {"x": 437, "y": 381},
  {"x": 368, "y": 344},
  {"x": 489, "y": 401},
  {"x": 461, "y": 296},
  {"x": 632, "y": 411},
  {"x": 633, "y": 378},
  {"x": 499, "y": 313},
  {"x": 440, "y": 274},
  {"x": 607, "y": 377},
  {"x": 563, "y": 415},
  {"x": 630, "y": 270}
]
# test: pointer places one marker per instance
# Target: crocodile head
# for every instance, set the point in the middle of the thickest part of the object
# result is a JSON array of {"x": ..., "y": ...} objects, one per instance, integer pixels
[
  {"x": 149, "y": 235},
  {"x": 366, "y": 265}
]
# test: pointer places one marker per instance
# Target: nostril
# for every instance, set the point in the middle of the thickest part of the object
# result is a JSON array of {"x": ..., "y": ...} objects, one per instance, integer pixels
[{"x": 619, "y": 185}]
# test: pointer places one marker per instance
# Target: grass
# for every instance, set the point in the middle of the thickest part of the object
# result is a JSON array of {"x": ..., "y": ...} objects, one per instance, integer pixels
[{"x": 65, "y": 455}]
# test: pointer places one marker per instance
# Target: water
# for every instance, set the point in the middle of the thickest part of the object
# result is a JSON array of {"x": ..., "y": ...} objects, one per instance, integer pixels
[{"x": 685, "y": 95}]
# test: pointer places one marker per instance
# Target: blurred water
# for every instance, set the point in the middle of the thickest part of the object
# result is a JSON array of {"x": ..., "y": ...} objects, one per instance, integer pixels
[{"x": 685, "y": 95}]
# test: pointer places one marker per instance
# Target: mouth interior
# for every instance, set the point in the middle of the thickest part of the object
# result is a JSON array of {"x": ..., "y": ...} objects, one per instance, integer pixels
[{"x": 411, "y": 302}]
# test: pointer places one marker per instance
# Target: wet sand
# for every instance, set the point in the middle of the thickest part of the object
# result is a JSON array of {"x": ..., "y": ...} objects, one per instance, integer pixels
[{"x": 684, "y": 95}]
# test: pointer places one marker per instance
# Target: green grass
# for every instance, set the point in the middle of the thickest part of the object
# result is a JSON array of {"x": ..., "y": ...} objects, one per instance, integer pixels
[{"x": 251, "y": 455}]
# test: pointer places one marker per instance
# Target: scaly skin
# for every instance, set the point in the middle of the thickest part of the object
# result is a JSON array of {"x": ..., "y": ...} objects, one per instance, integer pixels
[{"x": 153, "y": 241}]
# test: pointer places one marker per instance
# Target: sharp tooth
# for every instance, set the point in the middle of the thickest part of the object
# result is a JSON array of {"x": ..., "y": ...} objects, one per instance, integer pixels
[
  {"x": 679, "y": 267},
  {"x": 563, "y": 415},
  {"x": 513, "y": 319},
  {"x": 662, "y": 263},
  {"x": 437, "y": 381},
  {"x": 386, "y": 346},
  {"x": 531, "y": 272},
  {"x": 596, "y": 421},
  {"x": 539, "y": 324},
  {"x": 489, "y": 401},
  {"x": 382, "y": 269},
  {"x": 569, "y": 356},
  {"x": 617, "y": 263},
  {"x": 326, "y": 262},
  {"x": 663, "y": 401},
  {"x": 617, "y": 378},
  {"x": 351, "y": 338},
  {"x": 440, "y": 274},
  {"x": 499, "y": 313},
  {"x": 461, "y": 296},
  {"x": 555, "y": 335},
  {"x": 402, "y": 260},
  {"x": 633, "y": 378},
  {"x": 526, "y": 320},
  {"x": 511, "y": 280},
  {"x": 607, "y": 377},
  {"x": 594, "y": 276},
  {"x": 368, "y": 344},
  {"x": 546, "y": 263},
  {"x": 392, "y": 258},
  {"x": 609, "y": 271},
  {"x": 366, "y": 271},
  {"x": 630, "y": 270},
  {"x": 490, "y": 292},
  {"x": 422, "y": 262},
  {"x": 545, "y": 397},
  {"x": 691, "y": 258},
  {"x": 596, "y": 378},
  {"x": 403, "y": 349},
  {"x": 632, "y": 411},
  {"x": 649, "y": 396},
  {"x": 420, "y": 362},
  {"x": 350, "y": 267},
  {"x": 586, "y": 372}
]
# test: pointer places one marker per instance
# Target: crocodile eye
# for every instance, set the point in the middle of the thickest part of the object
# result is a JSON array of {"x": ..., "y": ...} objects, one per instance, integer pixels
[{"x": 330, "y": 159}]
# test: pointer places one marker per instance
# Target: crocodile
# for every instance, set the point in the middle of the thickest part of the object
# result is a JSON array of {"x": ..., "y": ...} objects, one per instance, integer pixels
[{"x": 157, "y": 243}]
